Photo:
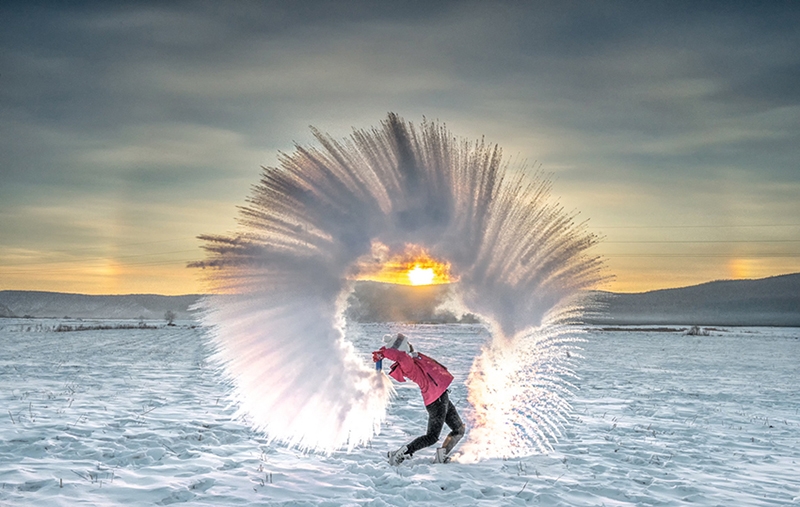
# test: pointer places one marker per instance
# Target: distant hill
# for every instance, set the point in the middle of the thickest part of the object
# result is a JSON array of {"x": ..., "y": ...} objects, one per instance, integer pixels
[
  {"x": 57, "y": 304},
  {"x": 370, "y": 302},
  {"x": 773, "y": 301},
  {"x": 5, "y": 311},
  {"x": 385, "y": 302}
]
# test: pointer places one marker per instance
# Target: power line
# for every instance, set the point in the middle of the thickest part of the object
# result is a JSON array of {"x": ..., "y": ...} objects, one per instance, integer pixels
[
  {"x": 716, "y": 226},
  {"x": 100, "y": 258},
  {"x": 79, "y": 267},
  {"x": 722, "y": 256},
  {"x": 707, "y": 241},
  {"x": 111, "y": 244}
]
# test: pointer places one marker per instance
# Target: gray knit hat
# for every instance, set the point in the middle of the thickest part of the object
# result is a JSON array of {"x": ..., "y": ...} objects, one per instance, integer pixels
[{"x": 399, "y": 342}]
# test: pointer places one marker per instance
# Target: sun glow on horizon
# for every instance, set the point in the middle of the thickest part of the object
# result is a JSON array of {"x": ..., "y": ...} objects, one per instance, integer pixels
[
  {"x": 420, "y": 276},
  {"x": 413, "y": 266}
]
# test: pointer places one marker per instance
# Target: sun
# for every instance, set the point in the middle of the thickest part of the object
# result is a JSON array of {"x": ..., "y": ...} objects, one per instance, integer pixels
[
  {"x": 420, "y": 276},
  {"x": 411, "y": 266}
]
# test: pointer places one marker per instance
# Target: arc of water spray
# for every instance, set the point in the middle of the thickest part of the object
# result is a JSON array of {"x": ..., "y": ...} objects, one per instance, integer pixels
[{"x": 281, "y": 283}]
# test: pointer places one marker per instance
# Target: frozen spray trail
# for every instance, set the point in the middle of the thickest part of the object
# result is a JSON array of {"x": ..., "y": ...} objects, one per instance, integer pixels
[{"x": 318, "y": 221}]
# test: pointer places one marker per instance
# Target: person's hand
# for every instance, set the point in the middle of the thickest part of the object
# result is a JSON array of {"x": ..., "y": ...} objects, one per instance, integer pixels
[{"x": 378, "y": 355}]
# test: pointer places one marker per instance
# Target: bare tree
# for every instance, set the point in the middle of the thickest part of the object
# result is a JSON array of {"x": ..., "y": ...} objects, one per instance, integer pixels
[{"x": 170, "y": 317}]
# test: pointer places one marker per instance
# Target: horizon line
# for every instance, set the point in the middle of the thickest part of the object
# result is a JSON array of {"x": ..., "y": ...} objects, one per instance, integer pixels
[{"x": 402, "y": 285}]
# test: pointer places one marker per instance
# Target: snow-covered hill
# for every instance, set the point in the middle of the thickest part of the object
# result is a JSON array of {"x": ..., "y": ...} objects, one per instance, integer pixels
[
  {"x": 773, "y": 301},
  {"x": 5, "y": 311},
  {"x": 385, "y": 302},
  {"x": 130, "y": 306}
]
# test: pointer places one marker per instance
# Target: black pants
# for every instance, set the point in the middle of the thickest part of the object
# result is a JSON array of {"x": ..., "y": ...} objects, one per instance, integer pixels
[{"x": 440, "y": 412}]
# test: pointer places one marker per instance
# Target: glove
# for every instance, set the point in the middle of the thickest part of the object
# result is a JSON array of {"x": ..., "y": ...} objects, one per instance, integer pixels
[{"x": 378, "y": 355}]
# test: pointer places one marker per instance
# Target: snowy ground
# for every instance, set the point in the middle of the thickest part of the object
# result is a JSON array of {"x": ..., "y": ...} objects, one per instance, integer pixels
[{"x": 136, "y": 417}]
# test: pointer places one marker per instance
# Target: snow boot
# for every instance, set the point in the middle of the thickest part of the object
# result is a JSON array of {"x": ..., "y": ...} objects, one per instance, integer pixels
[
  {"x": 441, "y": 456},
  {"x": 398, "y": 456},
  {"x": 450, "y": 442}
]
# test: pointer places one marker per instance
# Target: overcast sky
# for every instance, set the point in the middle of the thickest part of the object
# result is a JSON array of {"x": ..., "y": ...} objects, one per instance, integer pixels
[{"x": 126, "y": 130}]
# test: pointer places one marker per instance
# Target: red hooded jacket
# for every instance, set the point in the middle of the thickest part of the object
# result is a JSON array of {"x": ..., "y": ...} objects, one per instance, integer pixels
[{"x": 432, "y": 378}]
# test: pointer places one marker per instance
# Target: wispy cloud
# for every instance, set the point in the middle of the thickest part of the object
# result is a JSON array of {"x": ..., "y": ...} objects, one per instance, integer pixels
[{"x": 650, "y": 114}]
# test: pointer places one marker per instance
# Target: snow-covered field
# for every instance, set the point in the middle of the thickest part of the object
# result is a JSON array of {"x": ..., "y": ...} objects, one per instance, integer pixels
[{"x": 137, "y": 417}]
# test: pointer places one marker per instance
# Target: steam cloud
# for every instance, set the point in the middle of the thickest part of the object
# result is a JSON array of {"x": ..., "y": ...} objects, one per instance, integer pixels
[{"x": 281, "y": 284}]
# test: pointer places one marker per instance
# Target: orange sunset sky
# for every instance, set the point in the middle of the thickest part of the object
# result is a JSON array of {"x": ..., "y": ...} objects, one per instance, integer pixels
[{"x": 128, "y": 130}]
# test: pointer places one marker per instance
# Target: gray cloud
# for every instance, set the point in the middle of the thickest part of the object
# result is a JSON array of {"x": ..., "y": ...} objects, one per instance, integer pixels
[{"x": 152, "y": 102}]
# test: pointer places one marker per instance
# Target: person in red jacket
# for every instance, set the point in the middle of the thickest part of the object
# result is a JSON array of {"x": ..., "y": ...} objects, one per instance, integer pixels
[{"x": 433, "y": 380}]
